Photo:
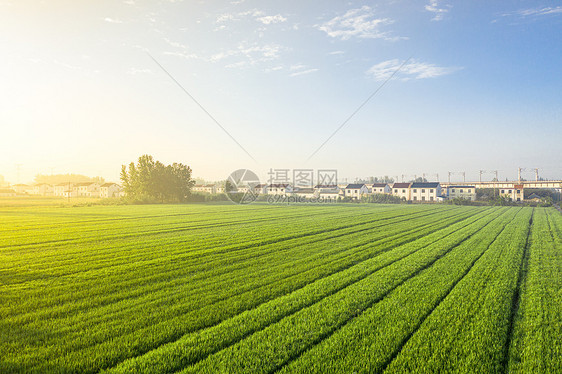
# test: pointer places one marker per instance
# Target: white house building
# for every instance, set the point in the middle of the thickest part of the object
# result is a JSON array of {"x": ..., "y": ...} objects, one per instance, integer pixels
[
  {"x": 383, "y": 188},
  {"x": 463, "y": 192},
  {"x": 516, "y": 193},
  {"x": 356, "y": 190},
  {"x": 308, "y": 193},
  {"x": 42, "y": 189},
  {"x": 7, "y": 192},
  {"x": 330, "y": 192},
  {"x": 21, "y": 188},
  {"x": 425, "y": 191},
  {"x": 402, "y": 190},
  {"x": 86, "y": 189},
  {"x": 279, "y": 189},
  {"x": 207, "y": 188},
  {"x": 109, "y": 190}
]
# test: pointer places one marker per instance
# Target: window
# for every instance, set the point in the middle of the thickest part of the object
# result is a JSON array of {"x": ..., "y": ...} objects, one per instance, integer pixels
[
  {"x": 518, "y": 191},
  {"x": 431, "y": 198},
  {"x": 415, "y": 191},
  {"x": 503, "y": 191},
  {"x": 415, "y": 197},
  {"x": 423, "y": 191},
  {"x": 469, "y": 190},
  {"x": 403, "y": 191},
  {"x": 431, "y": 191},
  {"x": 453, "y": 190},
  {"x": 396, "y": 191},
  {"x": 509, "y": 191},
  {"x": 423, "y": 198},
  {"x": 461, "y": 190}
]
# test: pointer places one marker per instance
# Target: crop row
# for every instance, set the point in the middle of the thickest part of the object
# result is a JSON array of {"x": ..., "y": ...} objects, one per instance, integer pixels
[
  {"x": 247, "y": 297},
  {"x": 536, "y": 346},
  {"x": 276, "y": 345}
]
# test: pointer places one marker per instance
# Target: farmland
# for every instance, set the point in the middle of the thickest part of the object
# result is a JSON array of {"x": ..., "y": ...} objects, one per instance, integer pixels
[{"x": 280, "y": 288}]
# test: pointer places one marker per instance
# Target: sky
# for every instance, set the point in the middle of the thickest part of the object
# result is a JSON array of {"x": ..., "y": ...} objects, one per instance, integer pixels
[{"x": 368, "y": 88}]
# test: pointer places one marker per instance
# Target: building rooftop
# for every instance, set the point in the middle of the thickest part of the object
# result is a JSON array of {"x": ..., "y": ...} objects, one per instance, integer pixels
[
  {"x": 401, "y": 185},
  {"x": 354, "y": 186},
  {"x": 425, "y": 185}
]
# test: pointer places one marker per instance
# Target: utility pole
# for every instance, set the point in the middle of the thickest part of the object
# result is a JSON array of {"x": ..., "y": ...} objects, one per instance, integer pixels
[
  {"x": 536, "y": 174},
  {"x": 480, "y": 178},
  {"x": 449, "y": 177},
  {"x": 402, "y": 178},
  {"x": 519, "y": 174},
  {"x": 464, "y": 177}
]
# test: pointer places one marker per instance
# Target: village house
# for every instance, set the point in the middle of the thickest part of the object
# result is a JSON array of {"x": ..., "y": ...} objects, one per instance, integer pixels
[
  {"x": 463, "y": 192},
  {"x": 207, "y": 188},
  {"x": 330, "y": 192},
  {"x": 356, "y": 190},
  {"x": 109, "y": 190},
  {"x": 425, "y": 191},
  {"x": 260, "y": 189},
  {"x": 382, "y": 188},
  {"x": 21, "y": 188},
  {"x": 402, "y": 190},
  {"x": 7, "y": 192},
  {"x": 279, "y": 189},
  {"x": 86, "y": 189},
  {"x": 308, "y": 193},
  {"x": 60, "y": 188},
  {"x": 42, "y": 189},
  {"x": 516, "y": 193}
]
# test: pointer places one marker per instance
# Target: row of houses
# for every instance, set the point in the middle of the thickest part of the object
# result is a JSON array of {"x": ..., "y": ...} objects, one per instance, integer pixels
[
  {"x": 416, "y": 191},
  {"x": 86, "y": 189}
]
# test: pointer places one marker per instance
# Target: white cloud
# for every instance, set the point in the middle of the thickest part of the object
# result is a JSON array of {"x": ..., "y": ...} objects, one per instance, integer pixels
[
  {"x": 112, "y": 20},
  {"x": 174, "y": 44},
  {"x": 438, "y": 11},
  {"x": 536, "y": 12},
  {"x": 308, "y": 71},
  {"x": 266, "y": 20},
  {"x": 297, "y": 67},
  {"x": 255, "y": 14},
  {"x": 183, "y": 55},
  {"x": 300, "y": 69},
  {"x": 360, "y": 23},
  {"x": 411, "y": 70},
  {"x": 336, "y": 53}
]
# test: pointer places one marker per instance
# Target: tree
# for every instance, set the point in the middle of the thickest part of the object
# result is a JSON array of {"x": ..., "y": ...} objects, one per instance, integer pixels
[{"x": 154, "y": 180}]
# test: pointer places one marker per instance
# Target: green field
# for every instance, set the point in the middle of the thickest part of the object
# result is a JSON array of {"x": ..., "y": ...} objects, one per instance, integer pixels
[{"x": 290, "y": 289}]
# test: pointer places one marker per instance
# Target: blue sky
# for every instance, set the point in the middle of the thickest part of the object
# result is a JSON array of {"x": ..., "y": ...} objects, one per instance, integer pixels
[{"x": 479, "y": 86}]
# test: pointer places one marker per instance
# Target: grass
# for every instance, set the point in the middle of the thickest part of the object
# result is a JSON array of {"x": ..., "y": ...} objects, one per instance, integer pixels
[{"x": 265, "y": 288}]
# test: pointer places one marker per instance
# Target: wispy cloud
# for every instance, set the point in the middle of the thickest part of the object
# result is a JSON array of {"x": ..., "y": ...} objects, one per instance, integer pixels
[
  {"x": 411, "y": 70},
  {"x": 303, "y": 72},
  {"x": 112, "y": 20},
  {"x": 535, "y": 12},
  {"x": 300, "y": 69},
  {"x": 336, "y": 53},
  {"x": 360, "y": 23},
  {"x": 266, "y": 20},
  {"x": 438, "y": 10},
  {"x": 255, "y": 14}
]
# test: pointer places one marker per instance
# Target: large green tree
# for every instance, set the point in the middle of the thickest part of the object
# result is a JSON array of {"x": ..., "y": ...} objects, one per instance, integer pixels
[{"x": 153, "y": 179}]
